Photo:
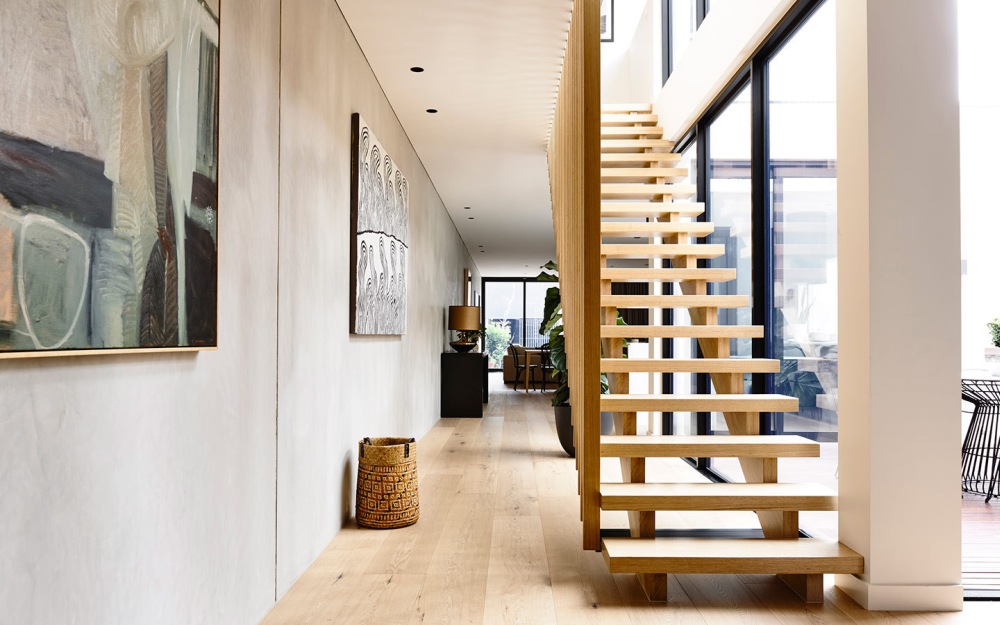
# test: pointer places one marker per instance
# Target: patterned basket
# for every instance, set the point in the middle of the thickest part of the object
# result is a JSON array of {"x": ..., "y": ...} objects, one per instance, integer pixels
[{"x": 387, "y": 483}]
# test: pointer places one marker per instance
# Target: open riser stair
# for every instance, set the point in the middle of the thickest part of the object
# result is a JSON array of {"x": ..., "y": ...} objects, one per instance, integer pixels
[{"x": 648, "y": 216}]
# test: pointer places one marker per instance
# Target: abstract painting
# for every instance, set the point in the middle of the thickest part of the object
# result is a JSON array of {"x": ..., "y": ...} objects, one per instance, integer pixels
[
  {"x": 109, "y": 151},
  {"x": 380, "y": 209}
]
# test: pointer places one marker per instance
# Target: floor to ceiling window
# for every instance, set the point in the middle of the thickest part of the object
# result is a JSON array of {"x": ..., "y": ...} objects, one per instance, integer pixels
[
  {"x": 769, "y": 186},
  {"x": 728, "y": 193},
  {"x": 979, "y": 101},
  {"x": 802, "y": 133}
]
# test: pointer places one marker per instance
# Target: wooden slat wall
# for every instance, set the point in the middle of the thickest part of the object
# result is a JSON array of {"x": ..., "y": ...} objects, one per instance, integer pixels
[{"x": 575, "y": 177}]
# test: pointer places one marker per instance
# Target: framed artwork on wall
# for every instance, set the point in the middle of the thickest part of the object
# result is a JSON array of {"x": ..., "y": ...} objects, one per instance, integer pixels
[
  {"x": 109, "y": 158},
  {"x": 607, "y": 20},
  {"x": 380, "y": 209}
]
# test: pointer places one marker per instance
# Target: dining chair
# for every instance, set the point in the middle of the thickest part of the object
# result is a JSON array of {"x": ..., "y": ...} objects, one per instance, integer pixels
[{"x": 545, "y": 366}]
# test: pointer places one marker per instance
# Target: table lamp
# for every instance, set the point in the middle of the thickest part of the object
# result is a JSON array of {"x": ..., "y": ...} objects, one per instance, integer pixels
[{"x": 465, "y": 321}]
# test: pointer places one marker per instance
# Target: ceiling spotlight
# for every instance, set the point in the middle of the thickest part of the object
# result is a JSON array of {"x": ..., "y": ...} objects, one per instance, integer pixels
[
  {"x": 468, "y": 208},
  {"x": 471, "y": 217},
  {"x": 432, "y": 110},
  {"x": 416, "y": 70}
]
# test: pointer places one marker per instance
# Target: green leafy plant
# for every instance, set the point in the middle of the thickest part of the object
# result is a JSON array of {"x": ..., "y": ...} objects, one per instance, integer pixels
[
  {"x": 497, "y": 338},
  {"x": 994, "y": 327},
  {"x": 552, "y": 327},
  {"x": 804, "y": 385}
]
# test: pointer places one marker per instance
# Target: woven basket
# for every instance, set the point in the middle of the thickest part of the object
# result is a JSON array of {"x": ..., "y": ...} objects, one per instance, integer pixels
[{"x": 387, "y": 483}]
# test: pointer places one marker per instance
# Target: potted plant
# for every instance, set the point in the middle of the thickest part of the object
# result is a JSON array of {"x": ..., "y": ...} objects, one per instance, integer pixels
[
  {"x": 993, "y": 352},
  {"x": 467, "y": 340},
  {"x": 552, "y": 327}
]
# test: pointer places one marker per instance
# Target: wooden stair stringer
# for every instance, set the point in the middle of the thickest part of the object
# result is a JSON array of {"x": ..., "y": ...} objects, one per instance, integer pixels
[{"x": 755, "y": 470}]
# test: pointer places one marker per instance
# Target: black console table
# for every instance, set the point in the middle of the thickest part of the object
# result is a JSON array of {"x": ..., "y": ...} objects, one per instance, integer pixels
[
  {"x": 464, "y": 384},
  {"x": 981, "y": 449}
]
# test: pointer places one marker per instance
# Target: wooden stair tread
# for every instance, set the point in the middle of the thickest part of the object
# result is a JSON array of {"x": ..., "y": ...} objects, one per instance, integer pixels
[
  {"x": 682, "y": 332},
  {"x": 675, "y": 301},
  {"x": 632, "y": 190},
  {"x": 730, "y": 555},
  {"x": 703, "y": 497},
  {"x": 652, "y": 210},
  {"x": 644, "y": 274},
  {"x": 643, "y": 174},
  {"x": 626, "y": 107},
  {"x": 699, "y": 403},
  {"x": 631, "y": 131},
  {"x": 663, "y": 250},
  {"x": 690, "y": 365},
  {"x": 620, "y": 145},
  {"x": 612, "y": 119},
  {"x": 707, "y": 446},
  {"x": 660, "y": 228},
  {"x": 639, "y": 158}
]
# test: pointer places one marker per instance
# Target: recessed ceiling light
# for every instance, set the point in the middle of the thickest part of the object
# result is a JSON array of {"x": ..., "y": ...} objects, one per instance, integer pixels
[
  {"x": 416, "y": 70},
  {"x": 482, "y": 251},
  {"x": 471, "y": 217},
  {"x": 480, "y": 246},
  {"x": 468, "y": 208},
  {"x": 432, "y": 110}
]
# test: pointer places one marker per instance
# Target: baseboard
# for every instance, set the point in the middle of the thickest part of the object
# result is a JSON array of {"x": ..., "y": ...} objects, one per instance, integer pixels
[{"x": 879, "y": 597}]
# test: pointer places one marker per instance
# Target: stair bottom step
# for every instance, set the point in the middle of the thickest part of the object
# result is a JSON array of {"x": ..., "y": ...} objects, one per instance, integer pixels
[{"x": 730, "y": 556}]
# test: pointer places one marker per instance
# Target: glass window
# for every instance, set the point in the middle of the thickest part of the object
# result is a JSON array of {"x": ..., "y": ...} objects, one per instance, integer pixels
[
  {"x": 684, "y": 423},
  {"x": 802, "y": 101},
  {"x": 534, "y": 309},
  {"x": 683, "y": 25},
  {"x": 729, "y": 209},
  {"x": 504, "y": 303}
]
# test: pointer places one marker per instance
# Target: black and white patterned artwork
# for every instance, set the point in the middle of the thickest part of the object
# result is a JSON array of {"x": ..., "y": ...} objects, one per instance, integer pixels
[{"x": 380, "y": 208}]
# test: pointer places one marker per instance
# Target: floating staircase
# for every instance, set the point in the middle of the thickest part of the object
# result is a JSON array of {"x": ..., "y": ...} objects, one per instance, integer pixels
[{"x": 640, "y": 183}]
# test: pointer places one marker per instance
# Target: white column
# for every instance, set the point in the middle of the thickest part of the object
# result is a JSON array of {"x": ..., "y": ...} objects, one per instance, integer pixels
[{"x": 899, "y": 256}]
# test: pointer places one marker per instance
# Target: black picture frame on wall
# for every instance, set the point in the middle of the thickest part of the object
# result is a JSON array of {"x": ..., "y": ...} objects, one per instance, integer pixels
[{"x": 607, "y": 20}]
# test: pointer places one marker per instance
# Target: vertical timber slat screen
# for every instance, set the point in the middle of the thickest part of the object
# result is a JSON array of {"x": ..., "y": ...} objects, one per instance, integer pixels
[{"x": 574, "y": 172}]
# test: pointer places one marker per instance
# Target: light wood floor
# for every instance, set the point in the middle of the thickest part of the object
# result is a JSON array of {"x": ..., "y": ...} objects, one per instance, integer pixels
[{"x": 498, "y": 541}]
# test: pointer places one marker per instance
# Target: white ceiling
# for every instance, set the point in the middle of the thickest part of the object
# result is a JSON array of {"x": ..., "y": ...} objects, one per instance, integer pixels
[{"x": 492, "y": 71}]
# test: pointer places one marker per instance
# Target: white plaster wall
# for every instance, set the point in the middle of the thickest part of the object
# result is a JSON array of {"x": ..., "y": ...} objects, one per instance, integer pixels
[
  {"x": 335, "y": 388},
  {"x": 152, "y": 489},
  {"x": 140, "y": 489},
  {"x": 616, "y": 60}
]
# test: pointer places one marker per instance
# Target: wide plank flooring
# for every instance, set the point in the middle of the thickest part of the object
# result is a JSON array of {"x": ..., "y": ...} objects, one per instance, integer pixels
[{"x": 498, "y": 541}]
